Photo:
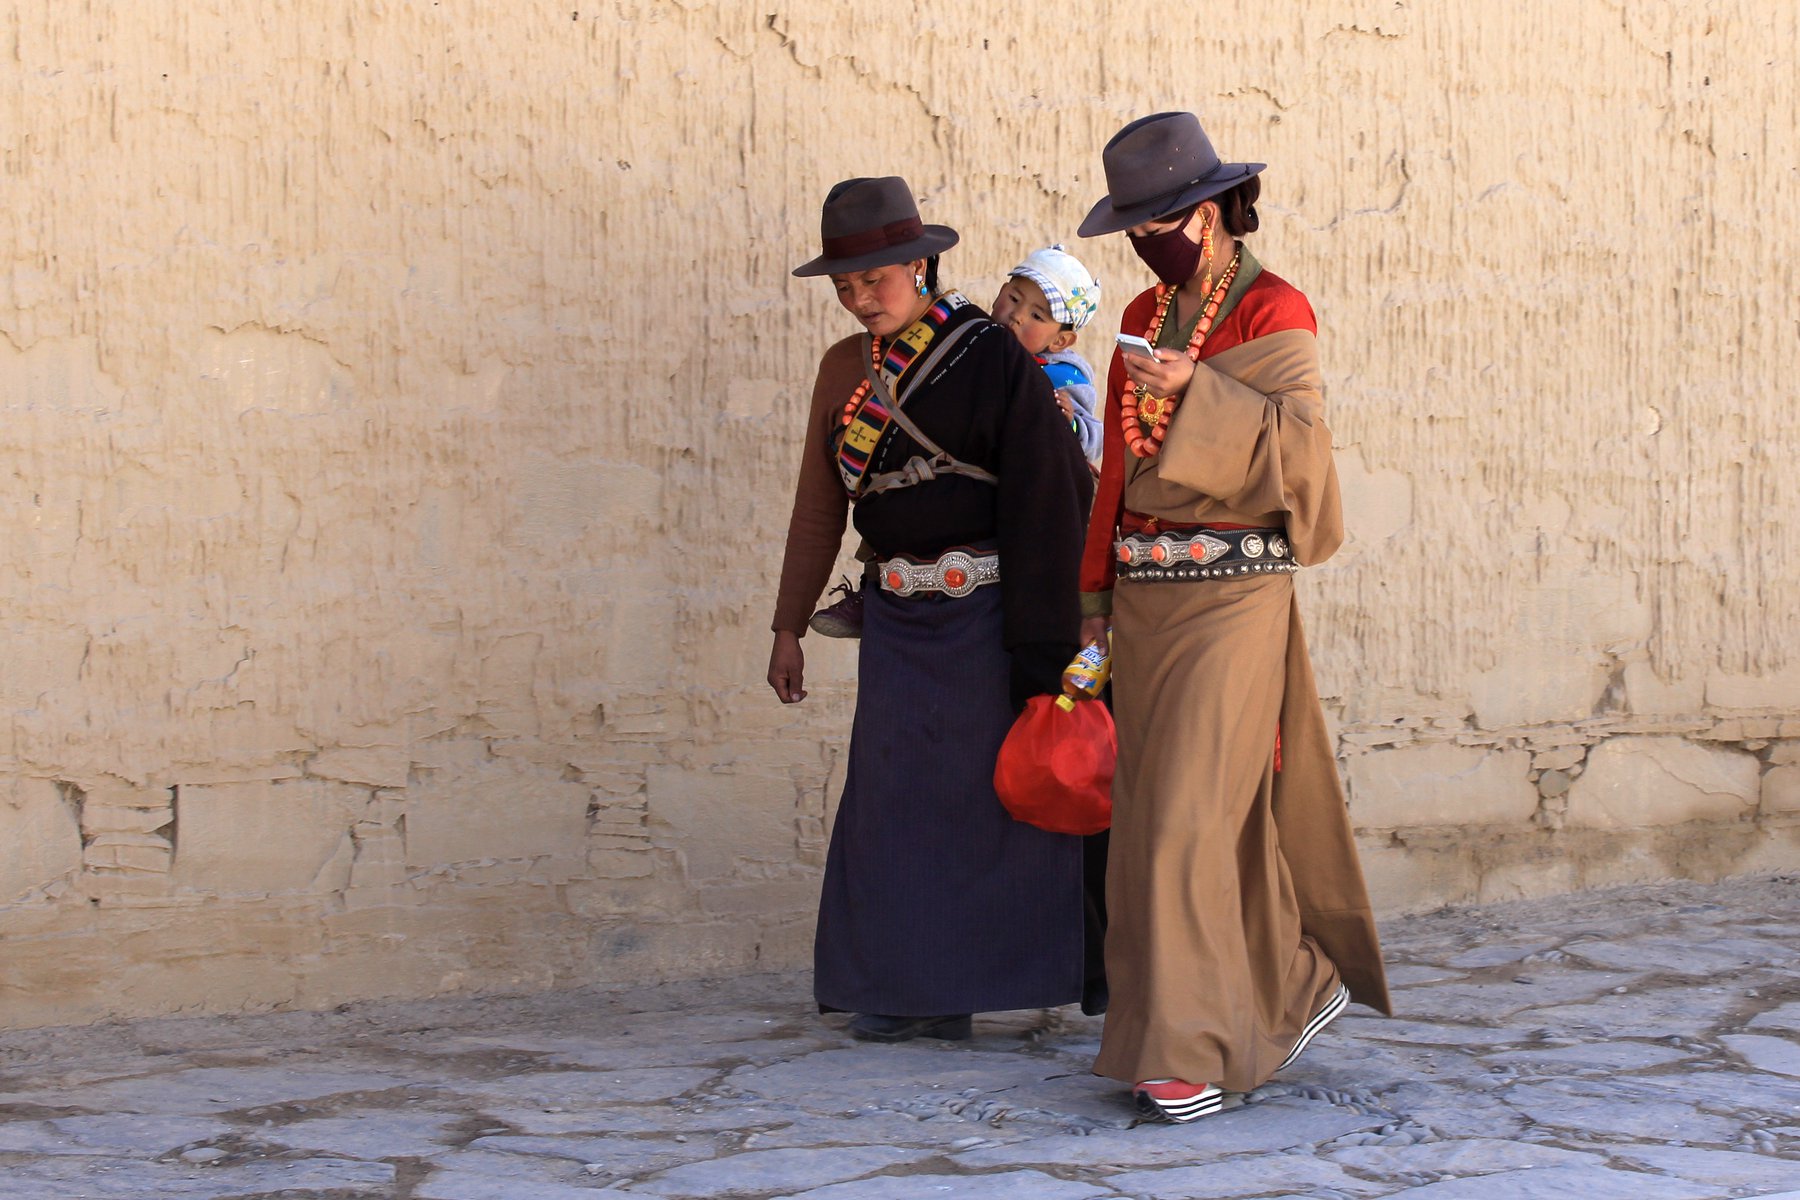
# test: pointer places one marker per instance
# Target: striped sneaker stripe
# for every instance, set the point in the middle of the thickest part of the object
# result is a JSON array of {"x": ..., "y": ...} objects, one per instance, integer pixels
[
  {"x": 1339, "y": 1001},
  {"x": 1199, "y": 1106},
  {"x": 1190, "y": 1108}
]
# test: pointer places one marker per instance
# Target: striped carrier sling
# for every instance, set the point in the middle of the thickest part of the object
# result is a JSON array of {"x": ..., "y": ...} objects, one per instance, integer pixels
[{"x": 912, "y": 358}]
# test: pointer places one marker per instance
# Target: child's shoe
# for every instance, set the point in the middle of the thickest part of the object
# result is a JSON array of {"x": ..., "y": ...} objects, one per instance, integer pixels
[{"x": 844, "y": 618}]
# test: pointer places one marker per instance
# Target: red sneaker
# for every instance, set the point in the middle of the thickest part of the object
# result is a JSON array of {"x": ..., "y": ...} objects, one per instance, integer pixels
[{"x": 1176, "y": 1100}]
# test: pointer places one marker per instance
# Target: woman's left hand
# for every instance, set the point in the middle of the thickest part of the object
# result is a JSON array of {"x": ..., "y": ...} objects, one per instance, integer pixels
[
  {"x": 1168, "y": 376},
  {"x": 787, "y": 668}
]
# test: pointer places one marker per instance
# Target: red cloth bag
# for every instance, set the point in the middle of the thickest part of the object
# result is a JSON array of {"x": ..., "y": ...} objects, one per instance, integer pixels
[{"x": 1055, "y": 768}]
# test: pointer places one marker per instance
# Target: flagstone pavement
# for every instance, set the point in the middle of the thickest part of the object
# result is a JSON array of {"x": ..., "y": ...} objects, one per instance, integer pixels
[{"x": 1636, "y": 1044}]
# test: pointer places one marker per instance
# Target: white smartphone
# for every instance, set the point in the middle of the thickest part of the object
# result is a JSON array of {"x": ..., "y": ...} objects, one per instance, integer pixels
[{"x": 1132, "y": 344}]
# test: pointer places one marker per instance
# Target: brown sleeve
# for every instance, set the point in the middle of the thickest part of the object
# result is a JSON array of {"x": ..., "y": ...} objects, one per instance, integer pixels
[
  {"x": 1251, "y": 432},
  {"x": 816, "y": 528}
]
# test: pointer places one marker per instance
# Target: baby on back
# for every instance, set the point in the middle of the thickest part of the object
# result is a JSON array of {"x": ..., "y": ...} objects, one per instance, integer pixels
[{"x": 1045, "y": 301}]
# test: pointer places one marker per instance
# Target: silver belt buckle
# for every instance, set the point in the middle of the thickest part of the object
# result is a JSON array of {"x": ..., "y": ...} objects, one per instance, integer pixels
[
  {"x": 1201, "y": 548},
  {"x": 898, "y": 577},
  {"x": 955, "y": 573}
]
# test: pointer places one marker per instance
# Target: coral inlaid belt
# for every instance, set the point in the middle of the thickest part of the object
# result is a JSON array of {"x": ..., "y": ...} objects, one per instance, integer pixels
[
  {"x": 953, "y": 573},
  {"x": 1202, "y": 552}
]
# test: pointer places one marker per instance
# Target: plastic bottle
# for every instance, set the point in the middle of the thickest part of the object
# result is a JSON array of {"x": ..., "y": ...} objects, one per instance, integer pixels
[{"x": 1086, "y": 675}]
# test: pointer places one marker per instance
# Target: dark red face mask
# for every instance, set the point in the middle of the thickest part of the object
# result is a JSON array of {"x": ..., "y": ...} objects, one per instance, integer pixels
[{"x": 1170, "y": 254}]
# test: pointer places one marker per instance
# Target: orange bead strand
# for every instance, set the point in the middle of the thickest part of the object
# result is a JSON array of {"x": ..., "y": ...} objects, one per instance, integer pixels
[
  {"x": 1146, "y": 418},
  {"x": 862, "y": 389}
]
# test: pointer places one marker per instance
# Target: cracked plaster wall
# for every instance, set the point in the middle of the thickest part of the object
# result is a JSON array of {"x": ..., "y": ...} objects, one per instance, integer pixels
[{"x": 401, "y": 401}]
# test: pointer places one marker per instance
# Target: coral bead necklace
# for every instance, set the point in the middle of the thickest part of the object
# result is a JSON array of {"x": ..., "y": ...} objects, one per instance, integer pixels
[
  {"x": 1145, "y": 417},
  {"x": 862, "y": 389}
]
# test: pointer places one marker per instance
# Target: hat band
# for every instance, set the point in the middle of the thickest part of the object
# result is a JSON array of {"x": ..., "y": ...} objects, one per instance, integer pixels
[
  {"x": 1160, "y": 197},
  {"x": 894, "y": 233}
]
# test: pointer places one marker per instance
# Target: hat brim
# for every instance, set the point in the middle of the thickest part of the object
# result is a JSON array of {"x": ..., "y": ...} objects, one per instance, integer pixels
[
  {"x": 1106, "y": 217},
  {"x": 935, "y": 240}
]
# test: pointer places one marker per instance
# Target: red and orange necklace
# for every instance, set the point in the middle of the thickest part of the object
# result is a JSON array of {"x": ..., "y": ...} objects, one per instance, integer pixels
[
  {"x": 863, "y": 387},
  {"x": 902, "y": 350},
  {"x": 1146, "y": 418}
]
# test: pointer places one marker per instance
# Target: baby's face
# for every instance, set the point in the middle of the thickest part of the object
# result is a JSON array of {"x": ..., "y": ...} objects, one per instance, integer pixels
[{"x": 1021, "y": 307}]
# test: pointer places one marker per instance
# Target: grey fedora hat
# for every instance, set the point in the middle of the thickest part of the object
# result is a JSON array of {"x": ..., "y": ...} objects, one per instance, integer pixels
[
  {"x": 1158, "y": 165},
  {"x": 873, "y": 223}
]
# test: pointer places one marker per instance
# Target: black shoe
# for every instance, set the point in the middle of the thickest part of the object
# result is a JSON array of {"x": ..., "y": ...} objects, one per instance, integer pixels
[{"x": 873, "y": 1027}]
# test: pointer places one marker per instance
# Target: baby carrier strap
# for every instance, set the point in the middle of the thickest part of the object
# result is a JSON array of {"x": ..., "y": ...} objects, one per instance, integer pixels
[{"x": 919, "y": 469}]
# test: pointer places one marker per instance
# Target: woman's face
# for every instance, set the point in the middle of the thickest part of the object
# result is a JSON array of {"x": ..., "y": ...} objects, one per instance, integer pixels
[{"x": 885, "y": 299}]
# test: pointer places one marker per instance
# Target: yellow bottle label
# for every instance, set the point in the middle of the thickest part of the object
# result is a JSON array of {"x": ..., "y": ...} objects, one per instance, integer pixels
[{"x": 1086, "y": 675}]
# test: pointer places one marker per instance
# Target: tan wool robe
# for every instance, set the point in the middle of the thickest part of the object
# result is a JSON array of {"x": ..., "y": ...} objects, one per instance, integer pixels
[{"x": 1235, "y": 898}]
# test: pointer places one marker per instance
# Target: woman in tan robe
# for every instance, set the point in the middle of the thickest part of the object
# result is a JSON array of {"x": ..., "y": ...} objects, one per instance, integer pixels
[{"x": 1240, "y": 925}]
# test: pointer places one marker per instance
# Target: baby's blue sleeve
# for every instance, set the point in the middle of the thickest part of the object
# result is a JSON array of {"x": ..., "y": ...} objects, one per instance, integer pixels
[
  {"x": 1087, "y": 421},
  {"x": 1069, "y": 372}
]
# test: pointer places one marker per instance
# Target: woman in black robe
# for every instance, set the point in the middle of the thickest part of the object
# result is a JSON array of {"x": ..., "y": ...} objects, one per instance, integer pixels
[{"x": 946, "y": 437}]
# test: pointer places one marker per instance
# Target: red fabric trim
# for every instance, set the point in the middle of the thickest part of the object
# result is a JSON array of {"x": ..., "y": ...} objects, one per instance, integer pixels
[
  {"x": 1269, "y": 305},
  {"x": 894, "y": 233},
  {"x": 1098, "y": 566}
]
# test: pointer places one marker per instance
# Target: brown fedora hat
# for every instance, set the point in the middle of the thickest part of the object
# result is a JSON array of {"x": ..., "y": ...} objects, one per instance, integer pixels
[
  {"x": 873, "y": 223},
  {"x": 1158, "y": 165}
]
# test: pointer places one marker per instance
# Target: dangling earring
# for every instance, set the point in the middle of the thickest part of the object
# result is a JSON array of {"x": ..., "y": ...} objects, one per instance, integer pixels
[
  {"x": 919, "y": 282},
  {"x": 1206, "y": 251}
]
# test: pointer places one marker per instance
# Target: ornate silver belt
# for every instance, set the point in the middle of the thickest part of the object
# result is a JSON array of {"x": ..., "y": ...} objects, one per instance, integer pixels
[
  {"x": 1204, "y": 554},
  {"x": 953, "y": 573}
]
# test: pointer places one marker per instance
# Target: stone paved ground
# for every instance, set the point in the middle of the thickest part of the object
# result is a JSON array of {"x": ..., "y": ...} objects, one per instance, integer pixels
[{"x": 1641, "y": 1044}]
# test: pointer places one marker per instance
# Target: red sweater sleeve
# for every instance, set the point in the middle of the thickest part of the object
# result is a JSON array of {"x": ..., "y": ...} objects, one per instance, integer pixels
[{"x": 1098, "y": 567}]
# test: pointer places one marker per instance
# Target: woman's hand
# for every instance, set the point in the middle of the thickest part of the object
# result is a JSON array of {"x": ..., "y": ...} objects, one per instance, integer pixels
[
  {"x": 1169, "y": 375},
  {"x": 787, "y": 668},
  {"x": 1066, "y": 402},
  {"x": 1093, "y": 630}
]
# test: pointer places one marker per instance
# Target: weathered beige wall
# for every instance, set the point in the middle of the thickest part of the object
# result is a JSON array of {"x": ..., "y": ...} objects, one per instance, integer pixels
[{"x": 400, "y": 403}]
